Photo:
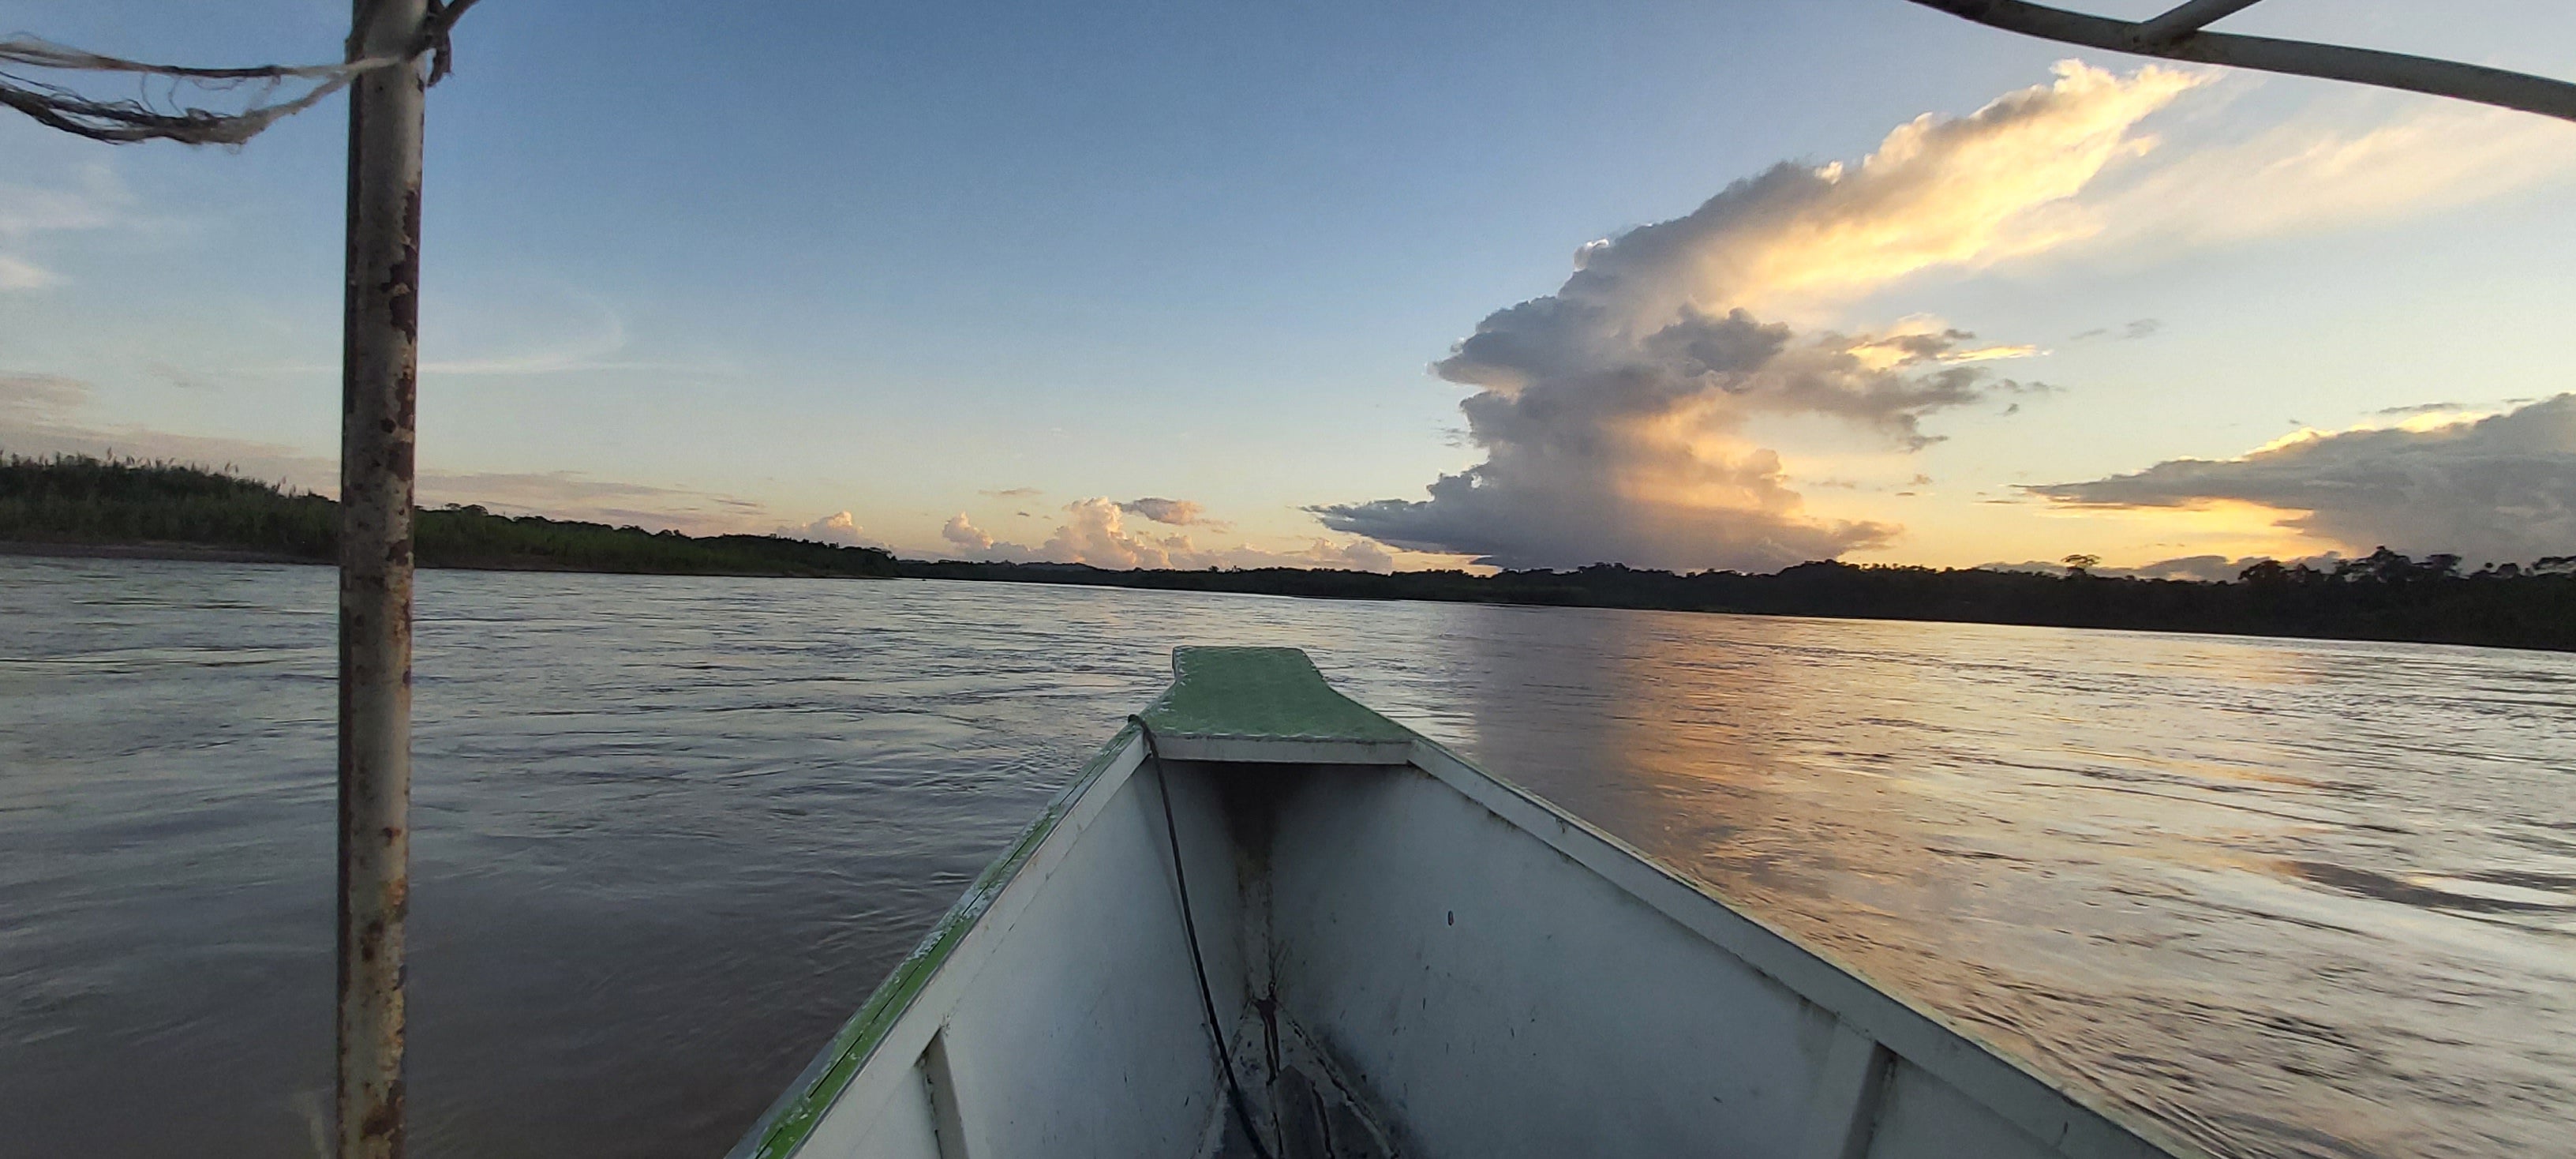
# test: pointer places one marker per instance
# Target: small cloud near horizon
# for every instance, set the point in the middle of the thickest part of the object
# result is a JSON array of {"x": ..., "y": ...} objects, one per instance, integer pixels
[
  {"x": 1171, "y": 512},
  {"x": 2200, "y": 568},
  {"x": 1095, "y": 533},
  {"x": 839, "y": 529},
  {"x": 2141, "y": 328}
]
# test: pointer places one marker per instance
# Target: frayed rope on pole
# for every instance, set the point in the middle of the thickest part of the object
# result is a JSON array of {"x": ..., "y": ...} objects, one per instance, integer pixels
[{"x": 130, "y": 120}]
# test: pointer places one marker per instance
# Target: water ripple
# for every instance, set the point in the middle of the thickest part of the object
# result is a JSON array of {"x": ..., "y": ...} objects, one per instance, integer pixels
[{"x": 2288, "y": 898}]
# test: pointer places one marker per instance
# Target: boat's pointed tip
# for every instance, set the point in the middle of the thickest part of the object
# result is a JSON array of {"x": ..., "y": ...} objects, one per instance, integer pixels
[
  {"x": 1189, "y": 656},
  {"x": 1266, "y": 704}
]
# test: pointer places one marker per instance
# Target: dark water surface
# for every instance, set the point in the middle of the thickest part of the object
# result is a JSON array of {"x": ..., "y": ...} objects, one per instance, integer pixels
[{"x": 2291, "y": 898}]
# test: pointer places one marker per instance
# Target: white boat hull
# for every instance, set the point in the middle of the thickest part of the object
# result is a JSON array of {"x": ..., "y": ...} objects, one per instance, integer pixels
[{"x": 1409, "y": 957}]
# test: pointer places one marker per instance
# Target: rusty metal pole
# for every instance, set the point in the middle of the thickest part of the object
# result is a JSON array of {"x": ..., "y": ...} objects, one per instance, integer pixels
[{"x": 379, "y": 359}]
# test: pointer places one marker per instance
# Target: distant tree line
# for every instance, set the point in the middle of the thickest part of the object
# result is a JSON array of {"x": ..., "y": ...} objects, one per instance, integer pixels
[
  {"x": 2382, "y": 596},
  {"x": 83, "y": 500}
]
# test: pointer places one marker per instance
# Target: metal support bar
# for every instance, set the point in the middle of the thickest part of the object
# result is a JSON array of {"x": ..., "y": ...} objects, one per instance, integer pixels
[
  {"x": 1844, "y": 1108},
  {"x": 2395, "y": 70},
  {"x": 379, "y": 361},
  {"x": 2189, "y": 17}
]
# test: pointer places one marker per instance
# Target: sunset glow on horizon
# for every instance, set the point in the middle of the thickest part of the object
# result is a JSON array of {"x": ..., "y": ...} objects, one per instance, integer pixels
[{"x": 1704, "y": 286}]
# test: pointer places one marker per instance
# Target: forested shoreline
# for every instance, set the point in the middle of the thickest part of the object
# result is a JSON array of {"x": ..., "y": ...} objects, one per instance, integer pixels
[
  {"x": 79, "y": 501},
  {"x": 72, "y": 503},
  {"x": 2384, "y": 596}
]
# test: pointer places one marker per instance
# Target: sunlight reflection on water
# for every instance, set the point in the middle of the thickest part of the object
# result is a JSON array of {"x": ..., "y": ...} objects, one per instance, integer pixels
[{"x": 2290, "y": 898}]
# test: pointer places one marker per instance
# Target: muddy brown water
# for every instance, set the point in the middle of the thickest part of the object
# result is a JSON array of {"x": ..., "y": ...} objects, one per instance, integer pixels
[{"x": 2286, "y": 897}]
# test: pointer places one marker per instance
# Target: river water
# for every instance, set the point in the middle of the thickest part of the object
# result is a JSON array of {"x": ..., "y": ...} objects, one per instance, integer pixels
[{"x": 2287, "y": 897}]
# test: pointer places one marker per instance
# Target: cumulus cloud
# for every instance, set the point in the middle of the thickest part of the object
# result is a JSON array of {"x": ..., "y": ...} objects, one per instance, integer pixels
[
  {"x": 1613, "y": 413},
  {"x": 1095, "y": 535},
  {"x": 1176, "y": 512},
  {"x": 837, "y": 528},
  {"x": 2189, "y": 567},
  {"x": 2494, "y": 489},
  {"x": 1358, "y": 554},
  {"x": 965, "y": 536},
  {"x": 1095, "y": 532}
]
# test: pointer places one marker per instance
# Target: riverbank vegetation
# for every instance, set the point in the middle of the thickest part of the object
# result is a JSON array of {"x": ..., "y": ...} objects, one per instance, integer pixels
[
  {"x": 2384, "y": 596},
  {"x": 79, "y": 501}
]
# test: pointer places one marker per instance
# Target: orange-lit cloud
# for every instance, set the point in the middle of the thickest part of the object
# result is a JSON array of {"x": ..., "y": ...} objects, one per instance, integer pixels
[
  {"x": 840, "y": 528},
  {"x": 1095, "y": 533},
  {"x": 1613, "y": 412},
  {"x": 2501, "y": 488},
  {"x": 2311, "y": 175},
  {"x": 1939, "y": 192}
]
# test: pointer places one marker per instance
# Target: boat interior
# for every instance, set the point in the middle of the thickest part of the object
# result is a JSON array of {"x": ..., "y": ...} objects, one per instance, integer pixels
[{"x": 1407, "y": 957}]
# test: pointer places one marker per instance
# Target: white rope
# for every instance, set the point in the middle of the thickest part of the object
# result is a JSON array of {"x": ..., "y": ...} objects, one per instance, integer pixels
[{"x": 135, "y": 119}]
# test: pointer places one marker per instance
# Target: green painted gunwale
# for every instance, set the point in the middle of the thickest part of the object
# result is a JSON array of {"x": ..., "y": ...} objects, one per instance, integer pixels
[
  {"x": 787, "y": 1125},
  {"x": 1246, "y": 693},
  {"x": 1277, "y": 694}
]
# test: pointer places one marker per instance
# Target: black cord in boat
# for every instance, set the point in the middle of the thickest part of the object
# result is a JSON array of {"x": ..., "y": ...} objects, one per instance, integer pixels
[{"x": 1198, "y": 966}]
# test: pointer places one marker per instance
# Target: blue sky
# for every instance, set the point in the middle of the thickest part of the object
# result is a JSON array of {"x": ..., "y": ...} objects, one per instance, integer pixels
[{"x": 745, "y": 266}]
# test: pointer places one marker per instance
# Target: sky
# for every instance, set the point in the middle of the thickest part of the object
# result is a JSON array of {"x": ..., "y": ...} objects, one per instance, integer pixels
[{"x": 1691, "y": 285}]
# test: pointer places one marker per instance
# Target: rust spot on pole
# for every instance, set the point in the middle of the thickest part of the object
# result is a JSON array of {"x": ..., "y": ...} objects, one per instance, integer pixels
[
  {"x": 386, "y": 1120},
  {"x": 402, "y": 281},
  {"x": 407, "y": 397}
]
